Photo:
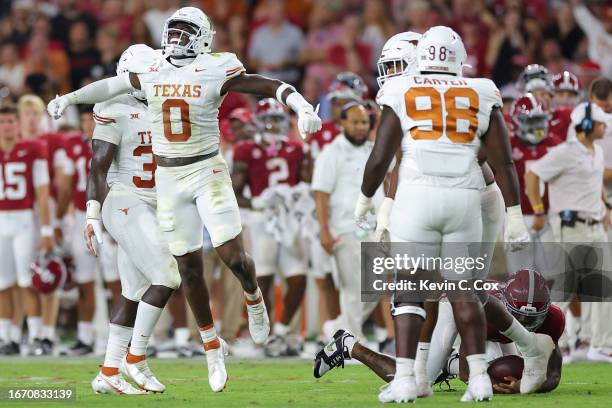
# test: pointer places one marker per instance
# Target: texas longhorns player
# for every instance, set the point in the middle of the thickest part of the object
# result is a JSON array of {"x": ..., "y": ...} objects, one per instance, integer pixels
[
  {"x": 24, "y": 186},
  {"x": 263, "y": 163},
  {"x": 440, "y": 120},
  {"x": 184, "y": 88}
]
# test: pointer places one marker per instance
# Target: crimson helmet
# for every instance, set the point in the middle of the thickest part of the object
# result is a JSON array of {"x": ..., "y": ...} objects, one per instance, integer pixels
[
  {"x": 535, "y": 77},
  {"x": 566, "y": 81},
  {"x": 527, "y": 298},
  {"x": 348, "y": 85},
  {"x": 49, "y": 273},
  {"x": 271, "y": 117},
  {"x": 529, "y": 118},
  {"x": 242, "y": 114}
]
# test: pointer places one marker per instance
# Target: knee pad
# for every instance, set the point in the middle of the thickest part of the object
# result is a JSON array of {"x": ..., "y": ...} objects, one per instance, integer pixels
[
  {"x": 416, "y": 310},
  {"x": 172, "y": 279}
]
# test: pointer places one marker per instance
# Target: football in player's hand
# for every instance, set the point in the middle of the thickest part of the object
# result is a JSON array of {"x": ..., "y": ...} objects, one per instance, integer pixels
[{"x": 507, "y": 366}]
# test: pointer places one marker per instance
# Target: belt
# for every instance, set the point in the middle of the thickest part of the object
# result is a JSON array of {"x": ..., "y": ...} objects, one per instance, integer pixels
[
  {"x": 182, "y": 161},
  {"x": 588, "y": 221}
]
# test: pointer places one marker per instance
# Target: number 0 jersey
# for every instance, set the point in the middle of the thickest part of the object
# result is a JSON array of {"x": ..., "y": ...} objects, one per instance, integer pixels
[
  {"x": 123, "y": 121},
  {"x": 443, "y": 118},
  {"x": 184, "y": 102}
]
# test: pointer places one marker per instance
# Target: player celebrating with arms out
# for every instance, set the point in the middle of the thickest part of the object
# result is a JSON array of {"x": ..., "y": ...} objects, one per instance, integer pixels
[{"x": 184, "y": 88}]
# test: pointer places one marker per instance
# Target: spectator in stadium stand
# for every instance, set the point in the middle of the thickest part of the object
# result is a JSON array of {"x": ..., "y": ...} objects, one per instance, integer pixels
[
  {"x": 70, "y": 13},
  {"x": 564, "y": 30},
  {"x": 552, "y": 58},
  {"x": 110, "y": 50},
  {"x": 82, "y": 54},
  {"x": 114, "y": 15},
  {"x": 349, "y": 53},
  {"x": 12, "y": 71},
  {"x": 377, "y": 28},
  {"x": 579, "y": 210},
  {"x": 40, "y": 58},
  {"x": 275, "y": 45},
  {"x": 156, "y": 16},
  {"x": 598, "y": 32}
]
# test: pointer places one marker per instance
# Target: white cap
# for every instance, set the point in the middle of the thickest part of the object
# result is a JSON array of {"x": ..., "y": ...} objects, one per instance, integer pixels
[{"x": 597, "y": 114}]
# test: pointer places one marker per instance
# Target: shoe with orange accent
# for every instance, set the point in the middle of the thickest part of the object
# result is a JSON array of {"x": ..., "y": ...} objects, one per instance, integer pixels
[
  {"x": 114, "y": 384},
  {"x": 142, "y": 375},
  {"x": 215, "y": 358},
  {"x": 259, "y": 323}
]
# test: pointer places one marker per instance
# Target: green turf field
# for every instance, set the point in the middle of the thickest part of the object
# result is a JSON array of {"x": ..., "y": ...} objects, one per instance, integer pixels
[{"x": 285, "y": 383}]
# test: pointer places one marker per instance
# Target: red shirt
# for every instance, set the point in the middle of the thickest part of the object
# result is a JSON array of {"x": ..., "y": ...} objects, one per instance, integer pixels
[
  {"x": 560, "y": 121},
  {"x": 55, "y": 143},
  {"x": 78, "y": 150},
  {"x": 553, "y": 325},
  {"x": 524, "y": 154},
  {"x": 316, "y": 141},
  {"x": 266, "y": 167},
  {"x": 18, "y": 175}
]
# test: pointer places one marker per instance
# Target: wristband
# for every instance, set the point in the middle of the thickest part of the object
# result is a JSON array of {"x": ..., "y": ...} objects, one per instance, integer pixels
[
  {"x": 386, "y": 205},
  {"x": 282, "y": 88},
  {"x": 46, "y": 231},
  {"x": 93, "y": 209},
  {"x": 538, "y": 208}
]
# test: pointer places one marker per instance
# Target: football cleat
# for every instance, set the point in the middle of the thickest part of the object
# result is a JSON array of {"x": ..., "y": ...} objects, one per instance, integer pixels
[
  {"x": 259, "y": 322},
  {"x": 479, "y": 389},
  {"x": 78, "y": 349},
  {"x": 142, "y": 375},
  {"x": 10, "y": 349},
  {"x": 333, "y": 354},
  {"x": 114, "y": 384},
  {"x": 217, "y": 374},
  {"x": 534, "y": 373},
  {"x": 423, "y": 386},
  {"x": 445, "y": 376},
  {"x": 43, "y": 348},
  {"x": 401, "y": 389}
]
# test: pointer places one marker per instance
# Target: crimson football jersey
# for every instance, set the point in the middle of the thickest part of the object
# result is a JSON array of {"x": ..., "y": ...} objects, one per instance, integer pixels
[
  {"x": 267, "y": 167},
  {"x": 55, "y": 147},
  {"x": 22, "y": 170},
  {"x": 524, "y": 154},
  {"x": 316, "y": 141},
  {"x": 559, "y": 122},
  {"x": 553, "y": 325},
  {"x": 78, "y": 150}
]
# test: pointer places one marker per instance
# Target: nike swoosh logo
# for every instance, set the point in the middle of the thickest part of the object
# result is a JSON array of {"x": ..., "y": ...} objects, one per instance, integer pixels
[
  {"x": 200, "y": 69},
  {"x": 215, "y": 171}
]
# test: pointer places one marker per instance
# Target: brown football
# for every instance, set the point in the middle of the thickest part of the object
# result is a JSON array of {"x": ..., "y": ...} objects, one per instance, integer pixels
[{"x": 507, "y": 366}]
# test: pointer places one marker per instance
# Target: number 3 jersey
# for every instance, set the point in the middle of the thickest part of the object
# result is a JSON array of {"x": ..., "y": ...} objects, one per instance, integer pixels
[
  {"x": 184, "y": 101},
  {"x": 123, "y": 121},
  {"x": 443, "y": 118}
]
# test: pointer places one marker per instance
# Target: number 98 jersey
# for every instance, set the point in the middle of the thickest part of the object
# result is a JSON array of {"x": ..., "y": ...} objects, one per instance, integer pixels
[
  {"x": 184, "y": 102},
  {"x": 443, "y": 118},
  {"x": 123, "y": 121}
]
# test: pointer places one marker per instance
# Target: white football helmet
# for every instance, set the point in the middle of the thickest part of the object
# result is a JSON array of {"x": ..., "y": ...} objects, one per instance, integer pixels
[
  {"x": 136, "y": 59},
  {"x": 398, "y": 56},
  {"x": 441, "y": 49},
  {"x": 185, "y": 43}
]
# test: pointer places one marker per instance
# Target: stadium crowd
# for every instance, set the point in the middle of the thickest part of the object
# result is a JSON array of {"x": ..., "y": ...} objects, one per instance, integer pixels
[{"x": 54, "y": 47}]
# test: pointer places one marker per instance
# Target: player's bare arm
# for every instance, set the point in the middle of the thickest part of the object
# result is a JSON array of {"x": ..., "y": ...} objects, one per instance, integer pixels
[
  {"x": 532, "y": 187},
  {"x": 103, "y": 153},
  {"x": 239, "y": 182},
  {"x": 42, "y": 205},
  {"x": 322, "y": 206}
]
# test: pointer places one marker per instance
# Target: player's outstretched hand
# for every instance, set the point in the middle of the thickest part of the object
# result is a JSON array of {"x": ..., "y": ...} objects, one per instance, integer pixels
[
  {"x": 363, "y": 207},
  {"x": 382, "y": 220},
  {"x": 516, "y": 236},
  {"x": 308, "y": 121},
  {"x": 93, "y": 228},
  {"x": 57, "y": 106}
]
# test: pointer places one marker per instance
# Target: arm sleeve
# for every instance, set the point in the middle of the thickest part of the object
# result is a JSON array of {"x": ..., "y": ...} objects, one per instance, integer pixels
[
  {"x": 324, "y": 175},
  {"x": 102, "y": 90},
  {"x": 551, "y": 165},
  {"x": 40, "y": 173}
]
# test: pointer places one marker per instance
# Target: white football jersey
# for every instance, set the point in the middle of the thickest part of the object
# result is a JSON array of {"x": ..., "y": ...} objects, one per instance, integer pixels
[
  {"x": 184, "y": 102},
  {"x": 443, "y": 118},
  {"x": 123, "y": 121}
]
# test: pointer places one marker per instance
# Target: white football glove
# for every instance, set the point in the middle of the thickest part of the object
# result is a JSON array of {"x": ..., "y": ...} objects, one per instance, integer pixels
[
  {"x": 382, "y": 220},
  {"x": 93, "y": 227},
  {"x": 308, "y": 121},
  {"x": 57, "y": 106},
  {"x": 516, "y": 235},
  {"x": 363, "y": 207}
]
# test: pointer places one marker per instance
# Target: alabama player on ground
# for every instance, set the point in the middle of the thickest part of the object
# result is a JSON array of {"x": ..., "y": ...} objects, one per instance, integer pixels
[
  {"x": 441, "y": 117},
  {"x": 184, "y": 89},
  {"x": 24, "y": 185},
  {"x": 263, "y": 163}
]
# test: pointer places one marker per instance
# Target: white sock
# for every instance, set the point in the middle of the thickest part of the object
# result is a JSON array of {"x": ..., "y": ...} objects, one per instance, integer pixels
[
  {"x": 420, "y": 363},
  {"x": 48, "y": 332},
  {"x": 85, "y": 333},
  {"x": 280, "y": 329},
  {"x": 181, "y": 336},
  {"x": 524, "y": 339},
  {"x": 34, "y": 327},
  {"x": 404, "y": 367},
  {"x": 477, "y": 364},
  {"x": 209, "y": 337},
  {"x": 453, "y": 367},
  {"x": 253, "y": 297},
  {"x": 117, "y": 346},
  {"x": 16, "y": 334},
  {"x": 5, "y": 330},
  {"x": 146, "y": 319}
]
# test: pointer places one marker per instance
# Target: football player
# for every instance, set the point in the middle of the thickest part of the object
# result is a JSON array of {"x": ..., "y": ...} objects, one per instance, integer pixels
[
  {"x": 268, "y": 160},
  {"x": 184, "y": 88},
  {"x": 24, "y": 197},
  {"x": 537, "y": 80},
  {"x": 457, "y": 136},
  {"x": 566, "y": 88}
]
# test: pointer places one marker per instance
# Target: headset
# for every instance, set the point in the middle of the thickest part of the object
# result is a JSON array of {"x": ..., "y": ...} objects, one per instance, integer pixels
[
  {"x": 586, "y": 125},
  {"x": 347, "y": 107}
]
